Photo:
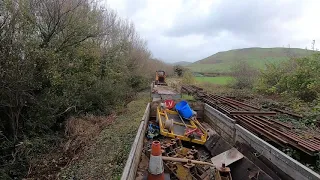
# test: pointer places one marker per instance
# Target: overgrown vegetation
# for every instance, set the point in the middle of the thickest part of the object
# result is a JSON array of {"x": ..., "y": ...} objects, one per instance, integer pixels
[
  {"x": 107, "y": 157},
  {"x": 298, "y": 78},
  {"x": 62, "y": 58},
  {"x": 188, "y": 78},
  {"x": 244, "y": 75}
]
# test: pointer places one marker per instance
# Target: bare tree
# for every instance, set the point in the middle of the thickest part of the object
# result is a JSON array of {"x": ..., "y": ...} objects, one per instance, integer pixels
[
  {"x": 244, "y": 75},
  {"x": 63, "y": 23}
]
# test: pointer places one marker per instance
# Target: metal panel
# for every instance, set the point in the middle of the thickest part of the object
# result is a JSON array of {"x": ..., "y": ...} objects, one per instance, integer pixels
[
  {"x": 230, "y": 122},
  {"x": 226, "y": 125},
  {"x": 287, "y": 164},
  {"x": 221, "y": 123}
]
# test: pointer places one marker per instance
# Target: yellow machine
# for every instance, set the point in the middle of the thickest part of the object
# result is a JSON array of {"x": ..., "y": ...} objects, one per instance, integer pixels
[
  {"x": 160, "y": 78},
  {"x": 172, "y": 125}
]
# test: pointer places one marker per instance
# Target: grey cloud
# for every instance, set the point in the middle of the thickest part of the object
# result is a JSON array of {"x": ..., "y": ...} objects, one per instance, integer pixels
[
  {"x": 229, "y": 24},
  {"x": 248, "y": 23},
  {"x": 170, "y": 52},
  {"x": 243, "y": 18}
]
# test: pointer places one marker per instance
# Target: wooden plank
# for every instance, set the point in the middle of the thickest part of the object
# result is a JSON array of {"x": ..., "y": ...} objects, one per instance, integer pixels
[
  {"x": 137, "y": 156},
  {"x": 127, "y": 172},
  {"x": 131, "y": 166},
  {"x": 146, "y": 116}
]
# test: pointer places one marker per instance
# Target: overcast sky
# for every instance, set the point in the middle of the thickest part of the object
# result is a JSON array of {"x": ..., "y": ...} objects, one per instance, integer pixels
[{"x": 189, "y": 30}]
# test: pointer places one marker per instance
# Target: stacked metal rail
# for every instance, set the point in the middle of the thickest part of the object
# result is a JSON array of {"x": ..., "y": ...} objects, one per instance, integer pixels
[{"x": 258, "y": 121}]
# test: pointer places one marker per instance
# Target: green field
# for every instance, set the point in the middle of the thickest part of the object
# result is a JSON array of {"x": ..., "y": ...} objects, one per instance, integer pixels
[
  {"x": 221, "y": 80},
  {"x": 222, "y": 62}
]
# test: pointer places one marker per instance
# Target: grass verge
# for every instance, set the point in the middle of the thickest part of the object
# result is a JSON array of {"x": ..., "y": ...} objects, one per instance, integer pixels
[
  {"x": 107, "y": 157},
  {"x": 221, "y": 80}
]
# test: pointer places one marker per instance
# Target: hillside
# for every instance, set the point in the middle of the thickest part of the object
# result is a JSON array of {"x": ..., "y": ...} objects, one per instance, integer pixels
[
  {"x": 182, "y": 63},
  {"x": 222, "y": 61}
]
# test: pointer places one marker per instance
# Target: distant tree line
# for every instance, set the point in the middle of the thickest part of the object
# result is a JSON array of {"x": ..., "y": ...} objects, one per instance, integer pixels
[{"x": 60, "y": 58}]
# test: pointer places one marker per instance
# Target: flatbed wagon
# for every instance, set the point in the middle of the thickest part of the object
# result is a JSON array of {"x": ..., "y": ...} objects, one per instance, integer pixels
[{"x": 258, "y": 159}]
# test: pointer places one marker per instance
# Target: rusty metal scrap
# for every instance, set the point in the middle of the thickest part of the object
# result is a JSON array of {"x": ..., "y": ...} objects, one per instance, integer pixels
[
  {"x": 252, "y": 118},
  {"x": 253, "y": 113},
  {"x": 184, "y": 163},
  {"x": 287, "y": 112}
]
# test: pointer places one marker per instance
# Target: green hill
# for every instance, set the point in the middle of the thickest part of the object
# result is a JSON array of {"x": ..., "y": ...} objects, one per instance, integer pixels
[{"x": 257, "y": 57}]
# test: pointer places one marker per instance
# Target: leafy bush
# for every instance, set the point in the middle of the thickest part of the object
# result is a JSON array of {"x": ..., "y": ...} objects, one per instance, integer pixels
[
  {"x": 188, "y": 78},
  {"x": 138, "y": 83},
  {"x": 296, "y": 77}
]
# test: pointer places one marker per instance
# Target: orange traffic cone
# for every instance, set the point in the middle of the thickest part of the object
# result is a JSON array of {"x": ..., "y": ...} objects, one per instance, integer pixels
[{"x": 156, "y": 170}]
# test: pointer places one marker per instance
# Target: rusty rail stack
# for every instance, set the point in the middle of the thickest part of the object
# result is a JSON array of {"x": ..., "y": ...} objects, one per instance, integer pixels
[{"x": 258, "y": 121}]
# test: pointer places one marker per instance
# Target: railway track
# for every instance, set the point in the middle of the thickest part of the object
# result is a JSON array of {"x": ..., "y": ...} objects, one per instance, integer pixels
[{"x": 258, "y": 121}]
